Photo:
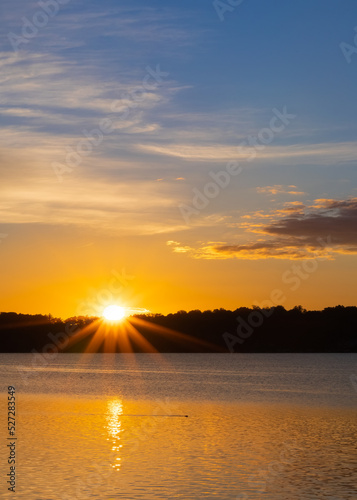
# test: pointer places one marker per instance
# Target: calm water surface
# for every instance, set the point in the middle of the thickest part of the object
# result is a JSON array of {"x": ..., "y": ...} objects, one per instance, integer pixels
[{"x": 271, "y": 426}]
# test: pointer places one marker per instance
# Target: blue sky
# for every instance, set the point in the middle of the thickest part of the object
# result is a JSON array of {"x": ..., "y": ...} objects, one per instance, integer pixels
[{"x": 223, "y": 79}]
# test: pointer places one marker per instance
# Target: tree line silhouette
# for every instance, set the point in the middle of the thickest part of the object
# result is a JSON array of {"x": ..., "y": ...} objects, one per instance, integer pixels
[{"x": 242, "y": 330}]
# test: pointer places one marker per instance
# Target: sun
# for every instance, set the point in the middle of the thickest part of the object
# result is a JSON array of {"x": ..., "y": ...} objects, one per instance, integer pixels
[{"x": 114, "y": 313}]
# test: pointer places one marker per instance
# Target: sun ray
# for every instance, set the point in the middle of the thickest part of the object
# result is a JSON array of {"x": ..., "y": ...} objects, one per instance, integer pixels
[
  {"x": 118, "y": 338},
  {"x": 181, "y": 337},
  {"x": 129, "y": 334},
  {"x": 140, "y": 339},
  {"x": 111, "y": 338},
  {"x": 82, "y": 333},
  {"x": 97, "y": 340}
]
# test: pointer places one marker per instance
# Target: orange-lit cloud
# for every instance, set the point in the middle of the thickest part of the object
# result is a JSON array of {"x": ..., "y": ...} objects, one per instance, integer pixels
[
  {"x": 279, "y": 189},
  {"x": 329, "y": 229}
]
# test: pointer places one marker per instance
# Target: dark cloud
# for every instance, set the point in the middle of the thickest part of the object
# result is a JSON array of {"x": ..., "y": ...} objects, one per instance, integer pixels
[
  {"x": 329, "y": 226},
  {"x": 336, "y": 219}
]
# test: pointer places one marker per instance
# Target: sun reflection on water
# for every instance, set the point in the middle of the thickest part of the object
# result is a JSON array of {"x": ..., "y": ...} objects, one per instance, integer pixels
[{"x": 114, "y": 427}]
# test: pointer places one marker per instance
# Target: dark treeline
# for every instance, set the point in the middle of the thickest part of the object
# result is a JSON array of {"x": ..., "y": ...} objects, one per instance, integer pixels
[{"x": 243, "y": 330}]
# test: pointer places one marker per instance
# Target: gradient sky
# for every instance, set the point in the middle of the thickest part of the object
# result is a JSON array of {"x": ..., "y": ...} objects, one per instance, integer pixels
[{"x": 68, "y": 230}]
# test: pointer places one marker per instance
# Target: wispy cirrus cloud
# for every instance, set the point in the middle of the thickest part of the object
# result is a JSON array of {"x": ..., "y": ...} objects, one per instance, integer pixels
[
  {"x": 35, "y": 83},
  {"x": 123, "y": 207},
  {"x": 74, "y": 25},
  {"x": 49, "y": 104},
  {"x": 323, "y": 154}
]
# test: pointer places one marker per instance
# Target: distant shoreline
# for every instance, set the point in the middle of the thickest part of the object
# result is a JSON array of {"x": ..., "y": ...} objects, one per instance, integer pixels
[{"x": 253, "y": 330}]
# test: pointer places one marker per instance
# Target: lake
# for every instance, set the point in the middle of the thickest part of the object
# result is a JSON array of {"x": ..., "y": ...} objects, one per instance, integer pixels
[{"x": 114, "y": 426}]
